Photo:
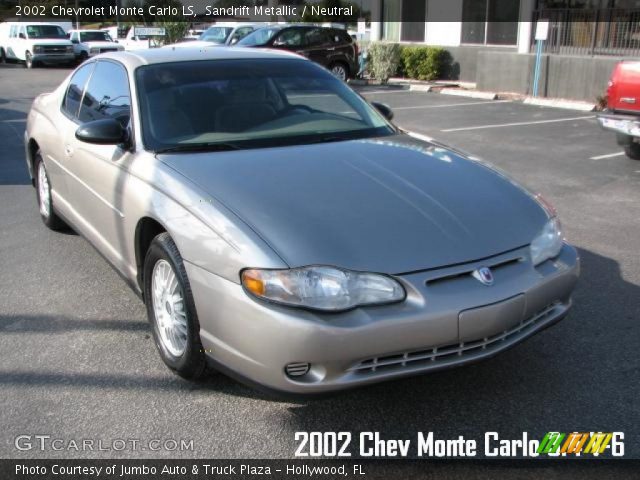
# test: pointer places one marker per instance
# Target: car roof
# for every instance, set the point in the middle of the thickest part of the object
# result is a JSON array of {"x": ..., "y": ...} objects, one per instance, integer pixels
[{"x": 136, "y": 58}]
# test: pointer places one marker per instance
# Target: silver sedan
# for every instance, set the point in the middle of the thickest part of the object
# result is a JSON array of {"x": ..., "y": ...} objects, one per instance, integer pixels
[{"x": 282, "y": 230}]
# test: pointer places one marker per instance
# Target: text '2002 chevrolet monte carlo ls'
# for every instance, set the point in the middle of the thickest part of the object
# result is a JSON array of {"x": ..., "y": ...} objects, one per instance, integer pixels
[{"x": 280, "y": 229}]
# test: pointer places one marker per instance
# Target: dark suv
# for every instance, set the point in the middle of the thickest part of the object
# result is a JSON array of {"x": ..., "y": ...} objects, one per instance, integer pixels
[{"x": 330, "y": 47}]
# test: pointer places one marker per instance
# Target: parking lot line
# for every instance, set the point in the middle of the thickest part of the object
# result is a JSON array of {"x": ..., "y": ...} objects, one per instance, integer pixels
[
  {"x": 449, "y": 105},
  {"x": 608, "y": 155},
  {"x": 381, "y": 92},
  {"x": 518, "y": 124}
]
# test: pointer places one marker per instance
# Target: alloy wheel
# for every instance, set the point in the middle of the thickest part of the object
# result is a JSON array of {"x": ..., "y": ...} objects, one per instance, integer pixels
[{"x": 169, "y": 308}]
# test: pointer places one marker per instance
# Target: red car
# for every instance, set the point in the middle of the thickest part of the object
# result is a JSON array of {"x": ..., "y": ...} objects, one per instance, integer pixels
[{"x": 623, "y": 107}]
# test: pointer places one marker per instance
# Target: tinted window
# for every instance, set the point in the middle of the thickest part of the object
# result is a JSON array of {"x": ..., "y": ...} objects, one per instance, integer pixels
[
  {"x": 107, "y": 95},
  {"x": 72, "y": 98},
  {"x": 316, "y": 37},
  {"x": 292, "y": 37},
  {"x": 94, "y": 37},
  {"x": 259, "y": 37},
  {"x": 45, "y": 31}
]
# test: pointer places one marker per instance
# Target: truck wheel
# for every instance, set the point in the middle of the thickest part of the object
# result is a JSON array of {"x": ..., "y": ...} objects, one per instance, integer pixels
[
  {"x": 633, "y": 150},
  {"x": 28, "y": 60},
  {"x": 3, "y": 57},
  {"x": 83, "y": 56}
]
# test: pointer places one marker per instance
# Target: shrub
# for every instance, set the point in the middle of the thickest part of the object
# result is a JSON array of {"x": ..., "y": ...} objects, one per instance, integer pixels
[
  {"x": 423, "y": 63},
  {"x": 384, "y": 59}
]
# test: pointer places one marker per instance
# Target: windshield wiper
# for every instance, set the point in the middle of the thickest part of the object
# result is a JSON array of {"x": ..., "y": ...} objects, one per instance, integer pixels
[{"x": 200, "y": 147}]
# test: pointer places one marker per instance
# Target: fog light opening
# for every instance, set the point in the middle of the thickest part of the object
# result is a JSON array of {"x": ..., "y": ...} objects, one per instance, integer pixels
[{"x": 297, "y": 370}]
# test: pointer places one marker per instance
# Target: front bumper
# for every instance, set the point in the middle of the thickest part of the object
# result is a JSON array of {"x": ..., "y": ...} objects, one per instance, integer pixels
[
  {"x": 448, "y": 319},
  {"x": 51, "y": 58},
  {"x": 619, "y": 123}
]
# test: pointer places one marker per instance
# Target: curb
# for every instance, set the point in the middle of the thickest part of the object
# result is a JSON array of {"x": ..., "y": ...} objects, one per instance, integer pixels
[
  {"x": 469, "y": 93},
  {"x": 555, "y": 103}
]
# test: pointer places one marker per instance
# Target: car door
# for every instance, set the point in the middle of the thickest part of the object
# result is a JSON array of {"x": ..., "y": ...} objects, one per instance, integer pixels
[
  {"x": 99, "y": 172},
  {"x": 318, "y": 46},
  {"x": 66, "y": 122}
]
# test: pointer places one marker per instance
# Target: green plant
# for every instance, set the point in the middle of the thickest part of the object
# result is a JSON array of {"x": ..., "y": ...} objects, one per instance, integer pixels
[
  {"x": 384, "y": 59},
  {"x": 423, "y": 63}
]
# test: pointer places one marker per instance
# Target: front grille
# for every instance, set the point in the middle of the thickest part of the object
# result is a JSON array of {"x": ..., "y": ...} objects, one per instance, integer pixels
[
  {"x": 433, "y": 355},
  {"x": 495, "y": 266},
  {"x": 54, "y": 49}
]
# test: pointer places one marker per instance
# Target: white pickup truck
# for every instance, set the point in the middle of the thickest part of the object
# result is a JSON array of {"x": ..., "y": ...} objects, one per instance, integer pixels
[
  {"x": 87, "y": 43},
  {"x": 133, "y": 40},
  {"x": 35, "y": 43}
]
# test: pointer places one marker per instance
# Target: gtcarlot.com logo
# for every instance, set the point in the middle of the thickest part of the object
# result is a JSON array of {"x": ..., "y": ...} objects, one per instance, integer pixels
[{"x": 50, "y": 443}]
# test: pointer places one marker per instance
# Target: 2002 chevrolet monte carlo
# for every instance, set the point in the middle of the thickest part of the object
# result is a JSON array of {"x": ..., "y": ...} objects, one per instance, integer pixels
[{"x": 280, "y": 229}]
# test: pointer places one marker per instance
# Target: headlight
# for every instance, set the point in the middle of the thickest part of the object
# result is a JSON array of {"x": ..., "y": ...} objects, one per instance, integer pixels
[
  {"x": 548, "y": 243},
  {"x": 322, "y": 288},
  {"x": 38, "y": 49}
]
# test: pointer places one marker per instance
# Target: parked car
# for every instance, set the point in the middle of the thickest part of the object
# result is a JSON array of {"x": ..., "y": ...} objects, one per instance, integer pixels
[
  {"x": 622, "y": 114},
  {"x": 220, "y": 34},
  {"x": 134, "y": 41},
  {"x": 87, "y": 43},
  {"x": 279, "y": 228},
  {"x": 34, "y": 43},
  {"x": 332, "y": 48}
]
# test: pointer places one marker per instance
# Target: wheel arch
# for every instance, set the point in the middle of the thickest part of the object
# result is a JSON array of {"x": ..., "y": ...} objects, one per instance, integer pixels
[
  {"x": 32, "y": 149},
  {"x": 147, "y": 229}
]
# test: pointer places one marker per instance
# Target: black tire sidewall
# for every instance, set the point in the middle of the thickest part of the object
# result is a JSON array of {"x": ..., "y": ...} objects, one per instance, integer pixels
[
  {"x": 344, "y": 67},
  {"x": 191, "y": 364},
  {"x": 52, "y": 221},
  {"x": 633, "y": 150}
]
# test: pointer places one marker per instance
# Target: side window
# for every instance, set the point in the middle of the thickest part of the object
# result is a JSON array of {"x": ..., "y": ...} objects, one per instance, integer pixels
[
  {"x": 71, "y": 101},
  {"x": 13, "y": 32},
  {"x": 107, "y": 95},
  {"x": 289, "y": 38},
  {"x": 316, "y": 37}
]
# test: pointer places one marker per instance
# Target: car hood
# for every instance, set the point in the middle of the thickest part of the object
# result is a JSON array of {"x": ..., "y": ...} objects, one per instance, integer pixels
[
  {"x": 391, "y": 204},
  {"x": 50, "y": 41},
  {"x": 101, "y": 44}
]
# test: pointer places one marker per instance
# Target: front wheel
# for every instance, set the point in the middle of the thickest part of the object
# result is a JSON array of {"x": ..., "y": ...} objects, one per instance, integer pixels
[
  {"x": 633, "y": 150},
  {"x": 171, "y": 309},
  {"x": 43, "y": 193},
  {"x": 340, "y": 70},
  {"x": 3, "y": 56},
  {"x": 28, "y": 60}
]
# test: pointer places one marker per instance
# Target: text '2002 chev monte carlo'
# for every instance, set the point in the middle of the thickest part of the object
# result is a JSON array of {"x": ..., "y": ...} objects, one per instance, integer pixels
[{"x": 282, "y": 230}]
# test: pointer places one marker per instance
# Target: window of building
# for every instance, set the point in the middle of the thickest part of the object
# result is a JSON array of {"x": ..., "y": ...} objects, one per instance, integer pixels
[{"x": 490, "y": 22}]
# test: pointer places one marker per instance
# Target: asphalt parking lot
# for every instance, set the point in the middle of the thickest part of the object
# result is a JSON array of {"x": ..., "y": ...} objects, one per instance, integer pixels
[{"x": 78, "y": 361}]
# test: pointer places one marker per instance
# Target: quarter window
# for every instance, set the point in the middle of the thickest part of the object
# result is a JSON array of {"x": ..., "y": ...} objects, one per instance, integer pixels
[
  {"x": 72, "y": 97},
  {"x": 107, "y": 95}
]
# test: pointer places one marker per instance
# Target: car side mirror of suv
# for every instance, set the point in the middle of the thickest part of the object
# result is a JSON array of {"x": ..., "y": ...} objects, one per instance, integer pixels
[
  {"x": 384, "y": 109},
  {"x": 22, "y": 35},
  {"x": 106, "y": 131}
]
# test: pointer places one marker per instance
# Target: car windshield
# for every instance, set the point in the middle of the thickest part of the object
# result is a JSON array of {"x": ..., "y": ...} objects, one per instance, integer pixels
[
  {"x": 259, "y": 37},
  {"x": 236, "y": 104},
  {"x": 216, "y": 34},
  {"x": 95, "y": 37},
  {"x": 45, "y": 31}
]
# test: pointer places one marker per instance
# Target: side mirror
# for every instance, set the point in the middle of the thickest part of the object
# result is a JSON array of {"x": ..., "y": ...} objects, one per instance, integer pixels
[
  {"x": 22, "y": 35},
  {"x": 107, "y": 131},
  {"x": 75, "y": 40},
  {"x": 384, "y": 109},
  {"x": 234, "y": 40}
]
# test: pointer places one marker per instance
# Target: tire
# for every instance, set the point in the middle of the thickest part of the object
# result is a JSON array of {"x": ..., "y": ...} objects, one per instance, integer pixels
[
  {"x": 28, "y": 60},
  {"x": 340, "y": 70},
  {"x": 83, "y": 56},
  {"x": 43, "y": 194},
  {"x": 3, "y": 56},
  {"x": 175, "y": 325},
  {"x": 633, "y": 150}
]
